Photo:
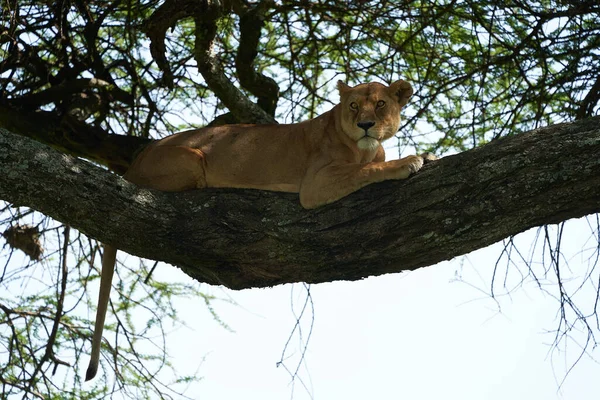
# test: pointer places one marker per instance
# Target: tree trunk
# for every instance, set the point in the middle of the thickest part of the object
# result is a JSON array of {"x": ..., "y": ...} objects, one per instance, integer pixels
[{"x": 250, "y": 238}]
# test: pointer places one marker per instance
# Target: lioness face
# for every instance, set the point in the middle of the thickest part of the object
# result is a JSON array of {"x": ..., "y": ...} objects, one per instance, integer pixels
[{"x": 371, "y": 111}]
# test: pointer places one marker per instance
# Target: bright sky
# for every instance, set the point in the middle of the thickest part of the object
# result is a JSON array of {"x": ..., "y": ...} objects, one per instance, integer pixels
[
  {"x": 428, "y": 334},
  {"x": 434, "y": 333}
]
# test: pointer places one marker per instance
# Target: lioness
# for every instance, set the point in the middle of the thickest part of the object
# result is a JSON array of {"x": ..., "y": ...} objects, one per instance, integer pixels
[{"x": 323, "y": 159}]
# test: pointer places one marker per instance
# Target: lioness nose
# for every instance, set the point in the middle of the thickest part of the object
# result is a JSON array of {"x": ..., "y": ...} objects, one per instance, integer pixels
[{"x": 365, "y": 125}]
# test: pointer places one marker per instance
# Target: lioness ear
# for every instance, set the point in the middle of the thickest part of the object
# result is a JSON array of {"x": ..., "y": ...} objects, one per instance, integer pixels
[
  {"x": 342, "y": 87},
  {"x": 403, "y": 90}
]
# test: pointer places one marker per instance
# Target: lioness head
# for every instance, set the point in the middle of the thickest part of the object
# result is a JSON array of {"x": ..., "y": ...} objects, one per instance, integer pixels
[{"x": 371, "y": 111}]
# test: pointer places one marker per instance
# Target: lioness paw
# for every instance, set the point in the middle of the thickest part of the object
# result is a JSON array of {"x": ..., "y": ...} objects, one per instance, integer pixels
[
  {"x": 428, "y": 157},
  {"x": 415, "y": 163},
  {"x": 403, "y": 168}
]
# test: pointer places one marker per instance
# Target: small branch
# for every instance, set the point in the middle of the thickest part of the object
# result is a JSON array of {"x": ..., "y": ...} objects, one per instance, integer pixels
[
  {"x": 66, "y": 90},
  {"x": 49, "y": 353},
  {"x": 586, "y": 108},
  {"x": 156, "y": 26},
  {"x": 264, "y": 88},
  {"x": 24, "y": 389}
]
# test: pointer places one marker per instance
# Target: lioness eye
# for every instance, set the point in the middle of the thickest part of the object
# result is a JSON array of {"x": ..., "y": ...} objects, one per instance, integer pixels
[
  {"x": 354, "y": 106},
  {"x": 380, "y": 103}
]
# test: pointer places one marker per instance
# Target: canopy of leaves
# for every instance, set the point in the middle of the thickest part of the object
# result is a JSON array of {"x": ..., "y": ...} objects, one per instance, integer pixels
[
  {"x": 98, "y": 78},
  {"x": 142, "y": 68}
]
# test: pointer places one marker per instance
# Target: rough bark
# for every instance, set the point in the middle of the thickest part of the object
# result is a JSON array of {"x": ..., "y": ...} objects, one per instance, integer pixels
[{"x": 248, "y": 238}]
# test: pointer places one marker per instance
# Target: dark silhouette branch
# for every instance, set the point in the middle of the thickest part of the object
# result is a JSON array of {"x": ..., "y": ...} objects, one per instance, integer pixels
[
  {"x": 72, "y": 136},
  {"x": 591, "y": 99},
  {"x": 163, "y": 18},
  {"x": 264, "y": 88},
  {"x": 249, "y": 238},
  {"x": 66, "y": 90}
]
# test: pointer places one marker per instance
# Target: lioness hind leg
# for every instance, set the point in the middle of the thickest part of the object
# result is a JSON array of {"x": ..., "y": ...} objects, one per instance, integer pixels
[{"x": 168, "y": 168}]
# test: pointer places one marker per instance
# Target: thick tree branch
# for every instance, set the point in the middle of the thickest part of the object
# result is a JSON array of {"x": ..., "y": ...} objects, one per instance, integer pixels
[
  {"x": 66, "y": 90},
  {"x": 73, "y": 136},
  {"x": 591, "y": 99},
  {"x": 248, "y": 238}
]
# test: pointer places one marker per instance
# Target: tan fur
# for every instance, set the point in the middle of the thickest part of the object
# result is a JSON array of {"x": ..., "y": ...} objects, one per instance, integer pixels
[
  {"x": 323, "y": 159},
  {"x": 109, "y": 258}
]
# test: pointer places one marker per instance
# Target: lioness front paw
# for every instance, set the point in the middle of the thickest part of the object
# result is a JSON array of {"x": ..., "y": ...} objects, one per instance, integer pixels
[
  {"x": 428, "y": 157},
  {"x": 403, "y": 168},
  {"x": 415, "y": 163}
]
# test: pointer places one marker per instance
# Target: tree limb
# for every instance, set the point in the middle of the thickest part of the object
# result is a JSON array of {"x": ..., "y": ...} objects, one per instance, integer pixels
[
  {"x": 250, "y": 238},
  {"x": 67, "y": 89},
  {"x": 591, "y": 99},
  {"x": 156, "y": 26},
  {"x": 73, "y": 136},
  {"x": 264, "y": 88}
]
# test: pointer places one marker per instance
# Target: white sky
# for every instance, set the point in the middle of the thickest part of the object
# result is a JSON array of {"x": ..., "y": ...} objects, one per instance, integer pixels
[{"x": 418, "y": 335}]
